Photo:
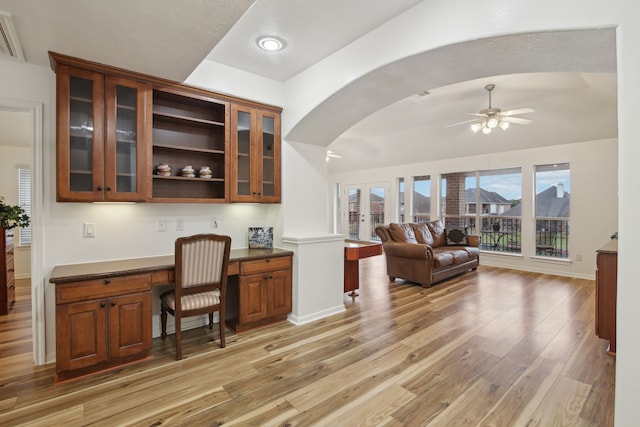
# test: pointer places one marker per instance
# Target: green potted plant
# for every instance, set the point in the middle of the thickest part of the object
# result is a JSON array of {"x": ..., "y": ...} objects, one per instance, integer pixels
[{"x": 12, "y": 216}]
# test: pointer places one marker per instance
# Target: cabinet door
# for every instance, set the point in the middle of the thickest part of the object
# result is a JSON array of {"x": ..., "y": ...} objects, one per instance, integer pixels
[
  {"x": 268, "y": 156},
  {"x": 243, "y": 151},
  {"x": 279, "y": 293},
  {"x": 125, "y": 151},
  {"x": 253, "y": 298},
  {"x": 81, "y": 334},
  {"x": 80, "y": 145},
  {"x": 129, "y": 324}
]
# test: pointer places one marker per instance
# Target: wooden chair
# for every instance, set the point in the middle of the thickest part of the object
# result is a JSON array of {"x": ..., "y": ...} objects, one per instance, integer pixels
[{"x": 201, "y": 268}]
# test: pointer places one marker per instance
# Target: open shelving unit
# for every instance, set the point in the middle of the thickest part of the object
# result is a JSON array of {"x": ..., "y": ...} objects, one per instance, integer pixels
[{"x": 189, "y": 130}]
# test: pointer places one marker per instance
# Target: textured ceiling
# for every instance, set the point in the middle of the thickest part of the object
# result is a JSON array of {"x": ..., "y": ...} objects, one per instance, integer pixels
[
  {"x": 376, "y": 120},
  {"x": 164, "y": 38}
]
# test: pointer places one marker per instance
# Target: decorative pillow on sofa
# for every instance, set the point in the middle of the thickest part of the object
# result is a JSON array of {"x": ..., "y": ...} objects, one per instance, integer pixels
[
  {"x": 423, "y": 235},
  {"x": 437, "y": 231},
  {"x": 456, "y": 237},
  {"x": 402, "y": 233}
]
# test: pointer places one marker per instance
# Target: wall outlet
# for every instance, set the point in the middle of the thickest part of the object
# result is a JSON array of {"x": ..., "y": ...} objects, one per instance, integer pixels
[
  {"x": 89, "y": 229},
  {"x": 162, "y": 225},
  {"x": 578, "y": 257},
  {"x": 179, "y": 224}
]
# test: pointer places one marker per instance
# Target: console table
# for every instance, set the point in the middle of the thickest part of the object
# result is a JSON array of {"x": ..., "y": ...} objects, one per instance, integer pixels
[
  {"x": 354, "y": 251},
  {"x": 104, "y": 315}
]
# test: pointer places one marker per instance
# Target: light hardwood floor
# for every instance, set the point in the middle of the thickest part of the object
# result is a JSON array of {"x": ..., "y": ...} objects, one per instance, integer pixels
[{"x": 489, "y": 348}]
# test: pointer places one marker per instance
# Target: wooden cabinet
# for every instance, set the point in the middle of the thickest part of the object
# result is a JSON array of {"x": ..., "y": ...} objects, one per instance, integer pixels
[
  {"x": 101, "y": 136},
  {"x": 189, "y": 129},
  {"x": 102, "y": 323},
  {"x": 262, "y": 294},
  {"x": 607, "y": 293},
  {"x": 255, "y": 145},
  {"x": 7, "y": 279}
]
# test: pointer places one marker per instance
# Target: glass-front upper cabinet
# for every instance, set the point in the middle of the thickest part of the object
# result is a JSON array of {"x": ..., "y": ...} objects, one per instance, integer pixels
[
  {"x": 100, "y": 149},
  {"x": 256, "y": 155}
]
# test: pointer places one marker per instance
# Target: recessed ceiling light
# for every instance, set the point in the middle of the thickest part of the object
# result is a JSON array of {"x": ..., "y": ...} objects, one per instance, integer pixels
[{"x": 270, "y": 43}]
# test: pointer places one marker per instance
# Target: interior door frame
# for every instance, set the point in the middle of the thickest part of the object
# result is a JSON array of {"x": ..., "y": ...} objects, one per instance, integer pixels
[
  {"x": 35, "y": 111},
  {"x": 365, "y": 204}
]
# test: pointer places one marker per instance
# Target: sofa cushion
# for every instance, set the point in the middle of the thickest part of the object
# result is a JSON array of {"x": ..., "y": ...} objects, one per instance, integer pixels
[
  {"x": 402, "y": 233},
  {"x": 422, "y": 233},
  {"x": 437, "y": 231},
  {"x": 442, "y": 258},
  {"x": 456, "y": 237}
]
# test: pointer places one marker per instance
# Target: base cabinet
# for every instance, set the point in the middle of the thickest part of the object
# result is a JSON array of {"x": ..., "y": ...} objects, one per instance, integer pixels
[
  {"x": 7, "y": 271},
  {"x": 607, "y": 293},
  {"x": 262, "y": 294},
  {"x": 99, "y": 326}
]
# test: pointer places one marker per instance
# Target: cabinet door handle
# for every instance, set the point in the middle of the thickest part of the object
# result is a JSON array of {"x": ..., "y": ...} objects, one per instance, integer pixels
[
  {"x": 11, "y": 287},
  {"x": 108, "y": 188},
  {"x": 103, "y": 304},
  {"x": 266, "y": 276},
  {"x": 113, "y": 303},
  {"x": 107, "y": 281},
  {"x": 10, "y": 252},
  {"x": 11, "y": 270},
  {"x": 100, "y": 188}
]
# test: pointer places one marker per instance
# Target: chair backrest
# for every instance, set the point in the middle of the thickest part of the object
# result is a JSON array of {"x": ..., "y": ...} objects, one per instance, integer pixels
[{"x": 202, "y": 262}]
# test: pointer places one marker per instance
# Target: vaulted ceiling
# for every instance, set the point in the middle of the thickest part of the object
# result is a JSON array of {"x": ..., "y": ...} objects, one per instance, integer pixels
[{"x": 570, "y": 82}]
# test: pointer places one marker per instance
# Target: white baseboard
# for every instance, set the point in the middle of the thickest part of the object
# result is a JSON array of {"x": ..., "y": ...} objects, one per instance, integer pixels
[{"x": 315, "y": 316}]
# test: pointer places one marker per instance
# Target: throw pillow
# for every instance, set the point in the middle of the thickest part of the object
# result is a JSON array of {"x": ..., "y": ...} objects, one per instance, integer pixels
[
  {"x": 456, "y": 237},
  {"x": 437, "y": 231},
  {"x": 402, "y": 233},
  {"x": 423, "y": 235}
]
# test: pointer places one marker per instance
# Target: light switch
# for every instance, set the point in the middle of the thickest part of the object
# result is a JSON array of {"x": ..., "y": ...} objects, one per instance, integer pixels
[{"x": 89, "y": 229}]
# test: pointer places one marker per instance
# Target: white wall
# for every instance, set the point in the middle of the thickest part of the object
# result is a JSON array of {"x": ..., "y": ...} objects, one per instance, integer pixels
[{"x": 594, "y": 202}]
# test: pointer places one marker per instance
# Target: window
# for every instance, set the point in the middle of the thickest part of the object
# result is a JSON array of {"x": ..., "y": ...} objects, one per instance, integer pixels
[
  {"x": 24, "y": 201},
  {"x": 421, "y": 198},
  {"x": 401, "y": 200},
  {"x": 552, "y": 203},
  {"x": 485, "y": 203}
]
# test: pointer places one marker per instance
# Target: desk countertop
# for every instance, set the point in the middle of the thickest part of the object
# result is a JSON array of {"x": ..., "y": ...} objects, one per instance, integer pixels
[{"x": 99, "y": 270}]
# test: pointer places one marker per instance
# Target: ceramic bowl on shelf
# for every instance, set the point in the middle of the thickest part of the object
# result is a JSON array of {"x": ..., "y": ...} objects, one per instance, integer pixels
[
  {"x": 188, "y": 172},
  {"x": 205, "y": 172},
  {"x": 163, "y": 169}
]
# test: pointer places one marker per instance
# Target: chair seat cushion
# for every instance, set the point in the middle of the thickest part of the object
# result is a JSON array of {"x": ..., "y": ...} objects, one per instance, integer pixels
[{"x": 193, "y": 302}]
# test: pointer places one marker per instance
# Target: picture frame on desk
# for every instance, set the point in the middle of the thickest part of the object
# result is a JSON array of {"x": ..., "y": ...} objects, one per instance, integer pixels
[{"x": 260, "y": 237}]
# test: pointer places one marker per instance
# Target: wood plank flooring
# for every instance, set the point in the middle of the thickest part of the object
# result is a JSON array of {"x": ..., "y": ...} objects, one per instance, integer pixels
[{"x": 494, "y": 347}]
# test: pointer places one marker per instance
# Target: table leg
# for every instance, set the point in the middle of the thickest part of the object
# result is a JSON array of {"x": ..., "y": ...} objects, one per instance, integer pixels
[{"x": 351, "y": 277}]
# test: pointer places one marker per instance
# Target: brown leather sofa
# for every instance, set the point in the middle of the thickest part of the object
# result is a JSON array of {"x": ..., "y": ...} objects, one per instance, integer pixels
[{"x": 426, "y": 253}]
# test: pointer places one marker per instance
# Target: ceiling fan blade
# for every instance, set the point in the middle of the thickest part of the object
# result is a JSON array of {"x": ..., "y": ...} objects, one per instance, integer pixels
[
  {"x": 478, "y": 114},
  {"x": 517, "y": 120},
  {"x": 334, "y": 155},
  {"x": 518, "y": 111},
  {"x": 461, "y": 123}
]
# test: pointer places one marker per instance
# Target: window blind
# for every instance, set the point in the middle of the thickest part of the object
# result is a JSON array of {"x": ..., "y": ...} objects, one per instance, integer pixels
[{"x": 24, "y": 201}]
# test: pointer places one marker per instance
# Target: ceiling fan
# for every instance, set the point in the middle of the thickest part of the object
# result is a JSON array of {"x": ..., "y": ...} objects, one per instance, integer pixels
[{"x": 491, "y": 118}]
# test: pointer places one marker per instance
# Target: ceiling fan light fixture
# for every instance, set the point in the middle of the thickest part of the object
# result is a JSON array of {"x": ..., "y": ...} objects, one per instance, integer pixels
[
  {"x": 504, "y": 125},
  {"x": 486, "y": 130},
  {"x": 492, "y": 122},
  {"x": 476, "y": 127}
]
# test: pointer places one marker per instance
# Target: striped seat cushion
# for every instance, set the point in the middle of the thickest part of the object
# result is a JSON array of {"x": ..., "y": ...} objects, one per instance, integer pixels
[{"x": 193, "y": 302}]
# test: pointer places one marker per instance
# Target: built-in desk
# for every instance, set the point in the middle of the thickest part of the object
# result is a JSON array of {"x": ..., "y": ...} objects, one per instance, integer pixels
[{"x": 103, "y": 309}]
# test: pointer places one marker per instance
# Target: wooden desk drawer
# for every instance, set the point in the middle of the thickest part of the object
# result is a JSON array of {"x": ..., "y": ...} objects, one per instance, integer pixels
[
  {"x": 263, "y": 265},
  {"x": 101, "y": 288}
]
